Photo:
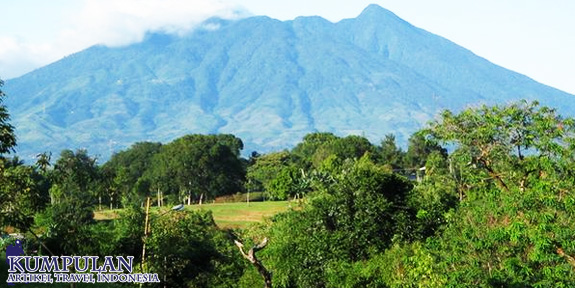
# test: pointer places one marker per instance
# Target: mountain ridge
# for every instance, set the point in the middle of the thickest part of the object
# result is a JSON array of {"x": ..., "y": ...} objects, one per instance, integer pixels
[{"x": 267, "y": 81}]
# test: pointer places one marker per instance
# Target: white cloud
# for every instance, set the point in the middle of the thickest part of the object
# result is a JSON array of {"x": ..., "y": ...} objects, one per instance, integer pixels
[
  {"x": 108, "y": 22},
  {"x": 114, "y": 22},
  {"x": 18, "y": 56}
]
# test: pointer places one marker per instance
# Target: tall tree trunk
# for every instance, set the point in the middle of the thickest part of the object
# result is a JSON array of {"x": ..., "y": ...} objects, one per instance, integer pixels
[
  {"x": 145, "y": 233},
  {"x": 201, "y": 198},
  {"x": 159, "y": 198},
  {"x": 165, "y": 268}
]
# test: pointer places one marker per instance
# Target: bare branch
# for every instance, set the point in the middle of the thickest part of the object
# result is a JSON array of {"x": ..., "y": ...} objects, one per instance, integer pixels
[
  {"x": 251, "y": 256},
  {"x": 570, "y": 259}
]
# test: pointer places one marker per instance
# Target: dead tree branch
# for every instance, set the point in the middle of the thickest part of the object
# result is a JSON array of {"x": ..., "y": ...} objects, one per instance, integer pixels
[{"x": 251, "y": 256}]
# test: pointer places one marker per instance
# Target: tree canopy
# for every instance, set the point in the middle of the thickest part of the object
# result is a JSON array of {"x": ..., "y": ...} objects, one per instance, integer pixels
[
  {"x": 7, "y": 136},
  {"x": 514, "y": 168}
]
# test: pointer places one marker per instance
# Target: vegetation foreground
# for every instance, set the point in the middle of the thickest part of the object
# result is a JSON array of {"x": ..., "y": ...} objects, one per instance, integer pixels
[{"x": 498, "y": 210}]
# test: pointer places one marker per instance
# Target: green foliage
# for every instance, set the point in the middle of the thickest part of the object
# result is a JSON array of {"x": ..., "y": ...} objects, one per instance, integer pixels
[
  {"x": 190, "y": 251},
  {"x": 306, "y": 149},
  {"x": 412, "y": 265},
  {"x": 433, "y": 198},
  {"x": 390, "y": 153},
  {"x": 22, "y": 194},
  {"x": 7, "y": 136},
  {"x": 351, "y": 147},
  {"x": 265, "y": 169},
  {"x": 317, "y": 147},
  {"x": 125, "y": 171},
  {"x": 43, "y": 161},
  {"x": 196, "y": 165},
  {"x": 418, "y": 151},
  {"x": 513, "y": 167},
  {"x": 346, "y": 222},
  {"x": 67, "y": 227},
  {"x": 288, "y": 182},
  {"x": 128, "y": 232},
  {"x": 75, "y": 175}
]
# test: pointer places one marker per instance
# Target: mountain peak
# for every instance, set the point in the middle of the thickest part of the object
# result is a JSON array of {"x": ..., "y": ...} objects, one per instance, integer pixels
[{"x": 376, "y": 11}]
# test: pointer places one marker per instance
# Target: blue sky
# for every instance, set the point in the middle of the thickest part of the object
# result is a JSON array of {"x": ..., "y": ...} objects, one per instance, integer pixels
[{"x": 532, "y": 37}]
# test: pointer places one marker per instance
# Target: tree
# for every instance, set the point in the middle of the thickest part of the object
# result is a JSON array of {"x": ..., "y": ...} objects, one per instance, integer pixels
[
  {"x": 75, "y": 175},
  {"x": 20, "y": 196},
  {"x": 67, "y": 225},
  {"x": 266, "y": 169},
  {"x": 200, "y": 166},
  {"x": 316, "y": 148},
  {"x": 305, "y": 150},
  {"x": 390, "y": 153},
  {"x": 346, "y": 222},
  {"x": 352, "y": 147},
  {"x": 284, "y": 183},
  {"x": 433, "y": 198},
  {"x": 7, "y": 136},
  {"x": 419, "y": 149},
  {"x": 190, "y": 251},
  {"x": 43, "y": 161},
  {"x": 514, "y": 165},
  {"x": 126, "y": 169}
]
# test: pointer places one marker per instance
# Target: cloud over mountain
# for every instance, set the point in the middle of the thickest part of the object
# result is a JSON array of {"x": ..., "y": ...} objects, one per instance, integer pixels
[{"x": 108, "y": 22}]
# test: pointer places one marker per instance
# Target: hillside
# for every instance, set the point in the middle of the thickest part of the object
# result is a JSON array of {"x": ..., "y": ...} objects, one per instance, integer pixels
[{"x": 268, "y": 82}]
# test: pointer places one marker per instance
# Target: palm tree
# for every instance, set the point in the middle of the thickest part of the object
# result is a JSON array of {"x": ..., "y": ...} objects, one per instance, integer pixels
[{"x": 43, "y": 161}]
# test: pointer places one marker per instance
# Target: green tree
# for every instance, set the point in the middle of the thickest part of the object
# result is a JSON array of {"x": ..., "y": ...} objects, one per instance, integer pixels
[
  {"x": 201, "y": 166},
  {"x": 7, "y": 136},
  {"x": 67, "y": 227},
  {"x": 190, "y": 251},
  {"x": 43, "y": 161},
  {"x": 21, "y": 196},
  {"x": 352, "y": 147},
  {"x": 126, "y": 169},
  {"x": 264, "y": 171},
  {"x": 419, "y": 149},
  {"x": 345, "y": 223},
  {"x": 304, "y": 152},
  {"x": 75, "y": 175},
  {"x": 284, "y": 184},
  {"x": 317, "y": 148},
  {"x": 390, "y": 153},
  {"x": 514, "y": 167}
]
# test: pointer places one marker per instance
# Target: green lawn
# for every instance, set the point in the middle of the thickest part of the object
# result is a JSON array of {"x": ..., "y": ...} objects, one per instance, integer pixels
[
  {"x": 241, "y": 214},
  {"x": 226, "y": 215}
]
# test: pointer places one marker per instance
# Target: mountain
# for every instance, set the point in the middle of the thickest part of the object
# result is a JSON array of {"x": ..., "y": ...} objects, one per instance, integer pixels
[{"x": 266, "y": 81}]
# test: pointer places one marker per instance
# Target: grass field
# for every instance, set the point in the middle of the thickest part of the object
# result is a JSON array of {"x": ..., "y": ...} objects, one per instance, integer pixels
[
  {"x": 226, "y": 215},
  {"x": 241, "y": 214}
]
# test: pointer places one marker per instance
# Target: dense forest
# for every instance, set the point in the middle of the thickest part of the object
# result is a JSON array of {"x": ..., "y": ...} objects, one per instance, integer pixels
[{"x": 480, "y": 198}]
